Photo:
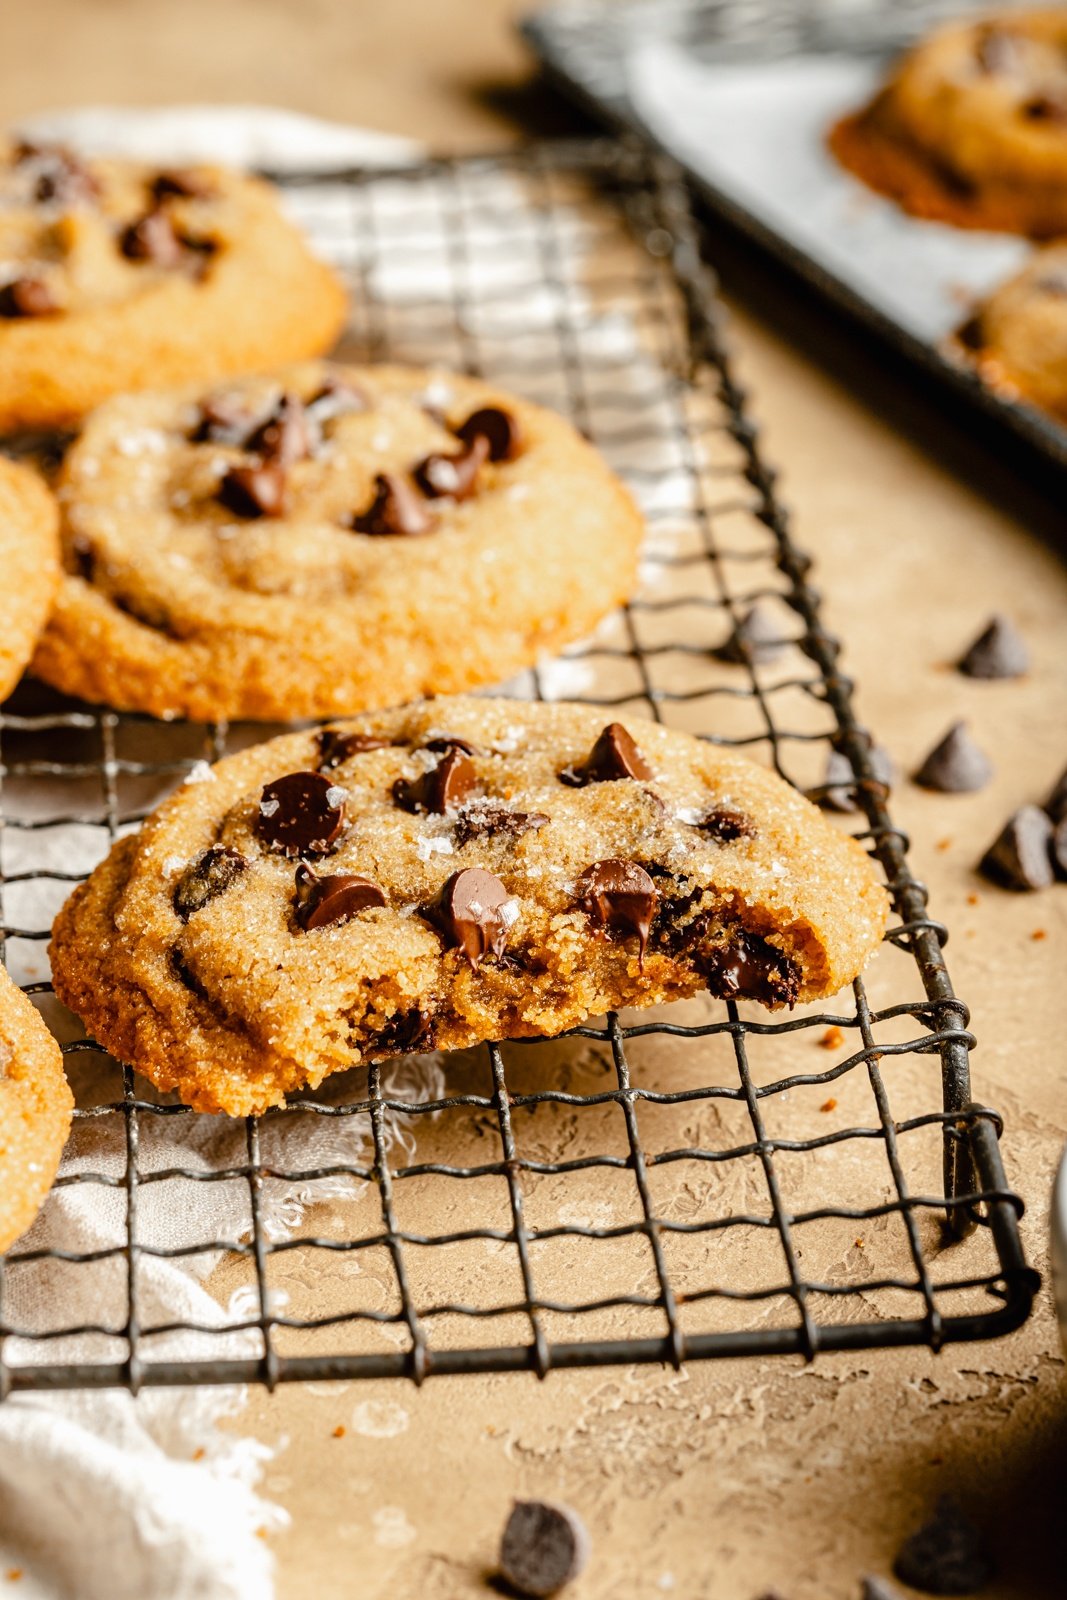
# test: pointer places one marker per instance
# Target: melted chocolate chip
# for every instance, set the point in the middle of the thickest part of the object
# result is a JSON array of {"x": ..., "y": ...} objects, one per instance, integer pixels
[
  {"x": 620, "y": 897},
  {"x": 181, "y": 183},
  {"x": 396, "y": 509},
  {"x": 60, "y": 175},
  {"x": 334, "y": 398},
  {"x": 335, "y": 747},
  {"x": 300, "y": 814},
  {"x": 442, "y": 789},
  {"x": 449, "y": 741},
  {"x": 470, "y": 914},
  {"x": 1045, "y": 108},
  {"x": 498, "y": 427},
  {"x": 27, "y": 297},
  {"x": 486, "y": 819},
  {"x": 255, "y": 491},
  {"x": 725, "y": 825},
  {"x": 215, "y": 871},
  {"x": 287, "y": 435},
  {"x": 187, "y": 977},
  {"x": 615, "y": 755},
  {"x": 224, "y": 419},
  {"x": 335, "y": 898},
  {"x": 153, "y": 238},
  {"x": 748, "y": 968},
  {"x": 453, "y": 477},
  {"x": 406, "y": 1032}
]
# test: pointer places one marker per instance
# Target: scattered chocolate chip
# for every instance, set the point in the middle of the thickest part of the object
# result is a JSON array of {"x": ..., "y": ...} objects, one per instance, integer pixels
[
  {"x": 756, "y": 638},
  {"x": 287, "y": 435},
  {"x": 1059, "y": 848},
  {"x": 544, "y": 1546},
  {"x": 749, "y": 967},
  {"x": 181, "y": 183},
  {"x": 27, "y": 297},
  {"x": 397, "y": 508},
  {"x": 335, "y": 898},
  {"x": 946, "y": 1555},
  {"x": 336, "y": 747},
  {"x": 301, "y": 814},
  {"x": 998, "y": 652},
  {"x": 615, "y": 755},
  {"x": 257, "y": 491},
  {"x": 406, "y": 1032},
  {"x": 486, "y": 819},
  {"x": 1045, "y": 108},
  {"x": 878, "y": 1589},
  {"x": 955, "y": 765},
  {"x": 620, "y": 897},
  {"x": 153, "y": 238},
  {"x": 334, "y": 398},
  {"x": 224, "y": 419},
  {"x": 498, "y": 427},
  {"x": 442, "y": 789},
  {"x": 207, "y": 878},
  {"x": 840, "y": 784},
  {"x": 1056, "y": 804},
  {"x": 725, "y": 825},
  {"x": 473, "y": 914},
  {"x": 453, "y": 477},
  {"x": 1019, "y": 857}
]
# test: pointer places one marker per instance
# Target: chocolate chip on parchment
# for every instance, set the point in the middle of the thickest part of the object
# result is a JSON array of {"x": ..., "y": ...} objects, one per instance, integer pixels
[
  {"x": 442, "y": 789},
  {"x": 254, "y": 491},
  {"x": 946, "y": 1555},
  {"x": 998, "y": 652},
  {"x": 614, "y": 755},
  {"x": 840, "y": 784},
  {"x": 336, "y": 747},
  {"x": 487, "y": 819},
  {"x": 153, "y": 238},
  {"x": 1019, "y": 856},
  {"x": 757, "y": 637},
  {"x": 302, "y": 813},
  {"x": 407, "y": 1032},
  {"x": 748, "y": 967},
  {"x": 1056, "y": 804},
  {"x": 955, "y": 765},
  {"x": 207, "y": 878},
  {"x": 27, "y": 297},
  {"x": 544, "y": 1546},
  {"x": 181, "y": 183},
  {"x": 454, "y": 477},
  {"x": 725, "y": 825},
  {"x": 498, "y": 427},
  {"x": 473, "y": 913},
  {"x": 287, "y": 435},
  {"x": 397, "y": 509},
  {"x": 337, "y": 897},
  {"x": 620, "y": 897}
]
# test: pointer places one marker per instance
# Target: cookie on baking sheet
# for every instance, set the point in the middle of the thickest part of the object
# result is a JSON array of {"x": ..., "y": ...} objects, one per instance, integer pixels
[
  {"x": 1017, "y": 340},
  {"x": 326, "y": 540},
  {"x": 115, "y": 275},
  {"x": 453, "y": 871},
  {"x": 29, "y": 567},
  {"x": 971, "y": 128},
  {"x": 35, "y": 1111}
]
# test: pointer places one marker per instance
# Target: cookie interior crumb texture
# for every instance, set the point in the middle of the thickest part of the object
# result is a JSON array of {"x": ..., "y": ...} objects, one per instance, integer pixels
[
  {"x": 281, "y": 922},
  {"x": 35, "y": 1111},
  {"x": 29, "y": 567},
  {"x": 299, "y": 544}
]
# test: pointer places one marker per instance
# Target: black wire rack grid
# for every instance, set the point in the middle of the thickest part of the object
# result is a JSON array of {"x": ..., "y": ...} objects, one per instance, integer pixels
[{"x": 571, "y": 272}]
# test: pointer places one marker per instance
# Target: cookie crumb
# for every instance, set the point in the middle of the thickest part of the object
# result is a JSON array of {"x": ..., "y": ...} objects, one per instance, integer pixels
[
  {"x": 943, "y": 845},
  {"x": 1039, "y": 933},
  {"x": 973, "y": 899},
  {"x": 13, "y": 1574},
  {"x": 199, "y": 1453},
  {"x": 339, "y": 1431},
  {"x": 829, "y": 1105},
  {"x": 832, "y": 1039}
]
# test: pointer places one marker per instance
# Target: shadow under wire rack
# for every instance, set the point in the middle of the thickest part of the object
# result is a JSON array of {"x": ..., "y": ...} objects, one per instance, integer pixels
[{"x": 702, "y": 1180}]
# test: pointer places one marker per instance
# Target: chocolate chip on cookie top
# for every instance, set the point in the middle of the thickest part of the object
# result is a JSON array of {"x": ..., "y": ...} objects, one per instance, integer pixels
[
  {"x": 454, "y": 477},
  {"x": 614, "y": 755},
  {"x": 254, "y": 491},
  {"x": 27, "y": 297},
  {"x": 473, "y": 914},
  {"x": 302, "y": 813},
  {"x": 442, "y": 787},
  {"x": 336, "y": 897},
  {"x": 396, "y": 509},
  {"x": 499, "y": 428},
  {"x": 336, "y": 747}
]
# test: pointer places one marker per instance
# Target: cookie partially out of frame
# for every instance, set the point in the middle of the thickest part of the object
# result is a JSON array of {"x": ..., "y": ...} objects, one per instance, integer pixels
[
  {"x": 326, "y": 540},
  {"x": 117, "y": 276},
  {"x": 1017, "y": 340},
  {"x": 971, "y": 127},
  {"x": 454, "y": 871},
  {"x": 29, "y": 567},
  {"x": 35, "y": 1111}
]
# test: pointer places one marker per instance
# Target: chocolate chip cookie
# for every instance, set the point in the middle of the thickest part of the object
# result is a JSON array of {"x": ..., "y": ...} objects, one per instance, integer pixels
[
  {"x": 115, "y": 276},
  {"x": 35, "y": 1111},
  {"x": 453, "y": 871},
  {"x": 1017, "y": 340},
  {"x": 972, "y": 126},
  {"x": 326, "y": 540},
  {"x": 29, "y": 567}
]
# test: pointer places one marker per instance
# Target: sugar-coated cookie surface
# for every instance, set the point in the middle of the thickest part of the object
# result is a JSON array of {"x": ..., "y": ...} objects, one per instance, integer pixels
[
  {"x": 1017, "y": 339},
  {"x": 117, "y": 276},
  {"x": 971, "y": 127},
  {"x": 325, "y": 540},
  {"x": 35, "y": 1111},
  {"x": 29, "y": 567},
  {"x": 449, "y": 872}
]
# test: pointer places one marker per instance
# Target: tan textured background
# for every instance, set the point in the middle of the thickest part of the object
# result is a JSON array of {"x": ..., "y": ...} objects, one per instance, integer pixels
[{"x": 732, "y": 1478}]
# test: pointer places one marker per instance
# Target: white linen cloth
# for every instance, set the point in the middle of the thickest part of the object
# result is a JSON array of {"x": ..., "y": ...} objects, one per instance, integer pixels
[{"x": 102, "y": 1496}]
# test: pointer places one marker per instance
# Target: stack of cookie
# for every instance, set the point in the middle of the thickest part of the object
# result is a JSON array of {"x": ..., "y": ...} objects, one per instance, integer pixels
[{"x": 232, "y": 535}]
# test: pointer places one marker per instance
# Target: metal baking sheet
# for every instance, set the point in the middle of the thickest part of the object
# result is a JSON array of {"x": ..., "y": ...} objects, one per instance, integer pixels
[{"x": 741, "y": 94}]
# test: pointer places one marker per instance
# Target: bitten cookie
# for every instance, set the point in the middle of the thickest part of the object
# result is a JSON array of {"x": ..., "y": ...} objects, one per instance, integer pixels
[
  {"x": 29, "y": 567},
  {"x": 972, "y": 126},
  {"x": 450, "y": 872},
  {"x": 327, "y": 540},
  {"x": 35, "y": 1111},
  {"x": 1017, "y": 340},
  {"x": 117, "y": 276}
]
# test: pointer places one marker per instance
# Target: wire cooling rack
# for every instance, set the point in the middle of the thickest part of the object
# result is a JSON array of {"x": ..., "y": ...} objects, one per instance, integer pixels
[{"x": 702, "y": 1180}]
